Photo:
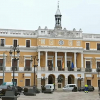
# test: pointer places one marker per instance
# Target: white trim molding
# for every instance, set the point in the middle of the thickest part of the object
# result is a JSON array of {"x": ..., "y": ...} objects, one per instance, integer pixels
[{"x": 88, "y": 75}]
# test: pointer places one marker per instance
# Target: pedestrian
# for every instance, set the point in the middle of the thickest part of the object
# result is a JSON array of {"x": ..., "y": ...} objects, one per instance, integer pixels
[{"x": 86, "y": 88}]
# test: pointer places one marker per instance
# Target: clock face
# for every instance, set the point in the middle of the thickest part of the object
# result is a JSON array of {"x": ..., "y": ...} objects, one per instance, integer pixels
[{"x": 61, "y": 42}]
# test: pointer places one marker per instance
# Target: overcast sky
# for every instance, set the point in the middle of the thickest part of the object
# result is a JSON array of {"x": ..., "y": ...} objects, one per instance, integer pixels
[{"x": 30, "y": 14}]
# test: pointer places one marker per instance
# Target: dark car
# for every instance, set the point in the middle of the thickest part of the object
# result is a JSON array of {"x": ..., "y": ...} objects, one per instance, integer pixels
[
  {"x": 19, "y": 88},
  {"x": 7, "y": 87},
  {"x": 90, "y": 88}
]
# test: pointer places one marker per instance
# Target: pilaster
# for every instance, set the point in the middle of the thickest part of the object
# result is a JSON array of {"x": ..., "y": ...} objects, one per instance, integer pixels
[
  {"x": 39, "y": 83},
  {"x": 66, "y": 81},
  {"x": 46, "y": 81}
]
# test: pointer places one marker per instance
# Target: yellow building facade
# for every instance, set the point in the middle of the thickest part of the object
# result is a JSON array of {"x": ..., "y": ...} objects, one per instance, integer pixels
[{"x": 67, "y": 55}]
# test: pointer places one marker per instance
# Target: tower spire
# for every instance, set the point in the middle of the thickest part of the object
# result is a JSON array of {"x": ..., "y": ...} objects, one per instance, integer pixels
[
  {"x": 58, "y": 4},
  {"x": 58, "y": 18}
]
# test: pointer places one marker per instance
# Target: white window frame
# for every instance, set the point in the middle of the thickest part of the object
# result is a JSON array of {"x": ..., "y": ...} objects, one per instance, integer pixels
[
  {"x": 15, "y": 39},
  {"x": 4, "y": 41},
  {"x": 30, "y": 42},
  {"x": 29, "y": 79},
  {"x": 85, "y": 45},
  {"x": 97, "y": 46},
  {"x": 90, "y": 80},
  {"x": 90, "y": 63}
]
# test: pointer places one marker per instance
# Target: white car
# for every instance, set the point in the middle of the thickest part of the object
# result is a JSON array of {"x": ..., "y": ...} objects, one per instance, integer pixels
[{"x": 69, "y": 87}]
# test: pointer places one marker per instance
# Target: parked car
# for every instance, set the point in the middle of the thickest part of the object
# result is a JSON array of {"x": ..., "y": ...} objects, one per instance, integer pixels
[
  {"x": 7, "y": 87},
  {"x": 19, "y": 88},
  {"x": 90, "y": 88},
  {"x": 69, "y": 87}
]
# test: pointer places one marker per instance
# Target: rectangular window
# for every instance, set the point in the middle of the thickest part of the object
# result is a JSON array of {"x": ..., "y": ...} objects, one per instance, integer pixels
[
  {"x": 88, "y": 82},
  {"x": 2, "y": 42},
  {"x": 27, "y": 65},
  {"x": 88, "y": 65},
  {"x": 27, "y": 82},
  {"x": 1, "y": 62},
  {"x": 15, "y": 43},
  {"x": 98, "y": 64},
  {"x": 87, "y": 46},
  {"x": 98, "y": 46},
  {"x": 14, "y": 64},
  {"x": 27, "y": 43}
]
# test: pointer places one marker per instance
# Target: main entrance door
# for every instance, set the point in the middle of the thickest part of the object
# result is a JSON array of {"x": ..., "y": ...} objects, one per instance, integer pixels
[
  {"x": 70, "y": 79},
  {"x": 59, "y": 65},
  {"x": 51, "y": 79}
]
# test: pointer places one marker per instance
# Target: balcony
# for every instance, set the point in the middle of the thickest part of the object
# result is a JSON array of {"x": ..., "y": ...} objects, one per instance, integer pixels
[
  {"x": 78, "y": 69},
  {"x": 15, "y": 68},
  {"x": 2, "y": 44},
  {"x": 60, "y": 69},
  {"x": 70, "y": 69},
  {"x": 50, "y": 68},
  {"x": 88, "y": 70},
  {"x": 98, "y": 69},
  {"x": 28, "y": 68}
]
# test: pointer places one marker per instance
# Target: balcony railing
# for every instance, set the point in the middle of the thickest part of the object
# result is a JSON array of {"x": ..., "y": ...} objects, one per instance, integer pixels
[
  {"x": 88, "y": 70},
  {"x": 98, "y": 69},
  {"x": 15, "y": 68},
  {"x": 70, "y": 69},
  {"x": 2, "y": 44},
  {"x": 50, "y": 68},
  {"x": 28, "y": 68},
  {"x": 42, "y": 68},
  {"x": 60, "y": 69},
  {"x": 79, "y": 69}
]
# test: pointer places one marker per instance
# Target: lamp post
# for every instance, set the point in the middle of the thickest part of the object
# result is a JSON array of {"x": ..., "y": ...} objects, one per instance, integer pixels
[
  {"x": 34, "y": 59},
  {"x": 14, "y": 49}
]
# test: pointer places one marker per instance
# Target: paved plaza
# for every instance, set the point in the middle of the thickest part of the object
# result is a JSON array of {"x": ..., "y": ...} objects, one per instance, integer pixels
[{"x": 63, "y": 96}]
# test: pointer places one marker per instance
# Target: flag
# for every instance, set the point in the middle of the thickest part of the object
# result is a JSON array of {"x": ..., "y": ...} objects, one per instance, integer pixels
[
  {"x": 72, "y": 66},
  {"x": 62, "y": 65}
]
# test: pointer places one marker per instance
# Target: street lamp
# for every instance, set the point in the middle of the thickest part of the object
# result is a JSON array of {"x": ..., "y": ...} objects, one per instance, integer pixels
[
  {"x": 14, "y": 48},
  {"x": 34, "y": 59}
]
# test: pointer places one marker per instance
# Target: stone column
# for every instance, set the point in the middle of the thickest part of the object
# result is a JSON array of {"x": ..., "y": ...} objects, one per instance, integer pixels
[
  {"x": 66, "y": 61},
  {"x": 75, "y": 81},
  {"x": 56, "y": 68},
  {"x": 56, "y": 85},
  {"x": 75, "y": 69},
  {"x": 46, "y": 57},
  {"x": 39, "y": 83},
  {"x": 66, "y": 81},
  {"x": 82, "y": 69},
  {"x": 46, "y": 81},
  {"x": 39, "y": 68},
  {"x": 82, "y": 82}
]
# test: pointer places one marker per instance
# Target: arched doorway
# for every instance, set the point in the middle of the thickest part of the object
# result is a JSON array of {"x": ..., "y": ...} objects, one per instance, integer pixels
[
  {"x": 71, "y": 79},
  {"x": 51, "y": 79},
  {"x": 61, "y": 79}
]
